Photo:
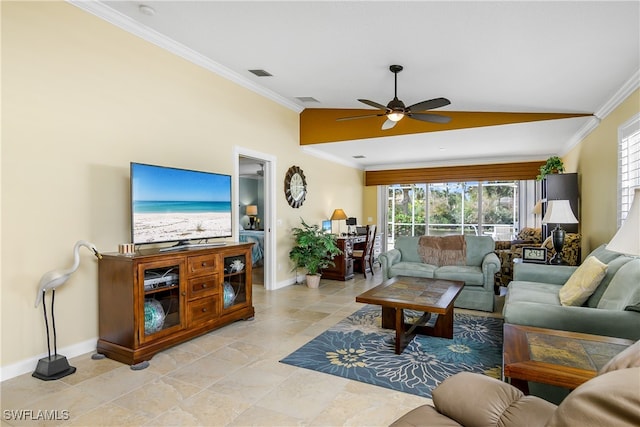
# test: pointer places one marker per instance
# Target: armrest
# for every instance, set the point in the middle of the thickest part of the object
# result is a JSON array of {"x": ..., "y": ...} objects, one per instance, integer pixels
[
  {"x": 491, "y": 263},
  {"x": 478, "y": 400},
  {"x": 554, "y": 274},
  {"x": 490, "y": 266},
  {"x": 387, "y": 259},
  {"x": 587, "y": 320},
  {"x": 390, "y": 257}
]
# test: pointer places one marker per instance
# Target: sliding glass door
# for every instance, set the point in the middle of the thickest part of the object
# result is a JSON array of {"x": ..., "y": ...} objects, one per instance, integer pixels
[{"x": 479, "y": 208}]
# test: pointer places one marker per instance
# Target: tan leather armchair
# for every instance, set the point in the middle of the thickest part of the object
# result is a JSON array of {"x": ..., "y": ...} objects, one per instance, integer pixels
[{"x": 467, "y": 399}]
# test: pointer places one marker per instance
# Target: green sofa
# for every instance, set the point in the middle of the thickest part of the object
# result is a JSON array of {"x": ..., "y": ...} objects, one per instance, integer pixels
[
  {"x": 612, "y": 310},
  {"x": 478, "y": 273}
]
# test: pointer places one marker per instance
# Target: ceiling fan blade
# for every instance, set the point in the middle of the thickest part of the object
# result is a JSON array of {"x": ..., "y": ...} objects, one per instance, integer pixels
[
  {"x": 358, "y": 117},
  {"x": 430, "y": 104},
  {"x": 427, "y": 117},
  {"x": 373, "y": 104},
  {"x": 388, "y": 124}
]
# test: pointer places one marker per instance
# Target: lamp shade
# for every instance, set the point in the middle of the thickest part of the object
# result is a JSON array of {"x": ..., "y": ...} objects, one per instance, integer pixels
[
  {"x": 627, "y": 239},
  {"x": 338, "y": 214},
  {"x": 537, "y": 209},
  {"x": 252, "y": 210},
  {"x": 559, "y": 212}
]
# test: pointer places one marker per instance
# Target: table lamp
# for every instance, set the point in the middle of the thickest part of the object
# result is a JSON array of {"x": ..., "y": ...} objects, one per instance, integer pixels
[
  {"x": 558, "y": 212},
  {"x": 627, "y": 239},
  {"x": 252, "y": 212},
  {"x": 338, "y": 215}
]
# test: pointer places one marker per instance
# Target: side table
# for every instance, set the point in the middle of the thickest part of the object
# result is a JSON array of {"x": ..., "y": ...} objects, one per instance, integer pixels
[{"x": 560, "y": 358}]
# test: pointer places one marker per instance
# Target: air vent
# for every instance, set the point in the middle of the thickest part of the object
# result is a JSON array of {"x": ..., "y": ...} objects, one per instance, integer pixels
[
  {"x": 261, "y": 73},
  {"x": 306, "y": 99}
]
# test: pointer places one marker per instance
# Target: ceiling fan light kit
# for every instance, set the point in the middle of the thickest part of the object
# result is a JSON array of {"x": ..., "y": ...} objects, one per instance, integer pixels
[{"x": 395, "y": 110}]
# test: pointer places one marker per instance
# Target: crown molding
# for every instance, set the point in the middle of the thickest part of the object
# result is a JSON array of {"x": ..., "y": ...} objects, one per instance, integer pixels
[
  {"x": 623, "y": 93},
  {"x": 122, "y": 21}
]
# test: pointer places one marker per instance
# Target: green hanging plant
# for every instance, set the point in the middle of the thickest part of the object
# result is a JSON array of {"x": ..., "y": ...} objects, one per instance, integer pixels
[{"x": 554, "y": 165}]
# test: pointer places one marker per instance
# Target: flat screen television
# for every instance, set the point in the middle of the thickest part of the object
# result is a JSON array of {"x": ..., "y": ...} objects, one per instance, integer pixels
[{"x": 178, "y": 205}]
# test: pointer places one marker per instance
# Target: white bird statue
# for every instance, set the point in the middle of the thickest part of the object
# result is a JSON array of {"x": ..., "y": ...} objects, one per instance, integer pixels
[
  {"x": 57, "y": 367},
  {"x": 53, "y": 279}
]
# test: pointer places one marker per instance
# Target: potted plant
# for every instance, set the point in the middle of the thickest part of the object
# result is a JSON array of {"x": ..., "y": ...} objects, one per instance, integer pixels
[
  {"x": 313, "y": 250},
  {"x": 554, "y": 165}
]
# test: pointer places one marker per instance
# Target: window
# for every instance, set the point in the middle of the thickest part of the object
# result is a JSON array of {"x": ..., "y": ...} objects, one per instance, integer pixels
[
  {"x": 628, "y": 164},
  {"x": 478, "y": 208}
]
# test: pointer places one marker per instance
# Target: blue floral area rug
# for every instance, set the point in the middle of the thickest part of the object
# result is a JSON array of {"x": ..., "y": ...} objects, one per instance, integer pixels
[{"x": 359, "y": 349}]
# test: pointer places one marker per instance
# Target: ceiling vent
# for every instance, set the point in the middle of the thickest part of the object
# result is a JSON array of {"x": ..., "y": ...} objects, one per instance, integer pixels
[{"x": 261, "y": 73}]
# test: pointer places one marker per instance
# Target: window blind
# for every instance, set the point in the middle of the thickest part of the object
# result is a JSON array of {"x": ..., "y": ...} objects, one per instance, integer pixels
[{"x": 628, "y": 164}]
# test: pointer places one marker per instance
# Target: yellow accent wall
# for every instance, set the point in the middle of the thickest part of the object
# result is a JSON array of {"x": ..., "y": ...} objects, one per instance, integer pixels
[
  {"x": 81, "y": 99},
  {"x": 595, "y": 160}
]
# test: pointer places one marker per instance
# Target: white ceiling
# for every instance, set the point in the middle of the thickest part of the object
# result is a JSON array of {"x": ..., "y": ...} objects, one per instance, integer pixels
[{"x": 520, "y": 56}]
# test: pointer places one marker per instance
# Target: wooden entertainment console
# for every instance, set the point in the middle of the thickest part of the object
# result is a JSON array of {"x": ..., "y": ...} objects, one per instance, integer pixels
[{"x": 153, "y": 300}]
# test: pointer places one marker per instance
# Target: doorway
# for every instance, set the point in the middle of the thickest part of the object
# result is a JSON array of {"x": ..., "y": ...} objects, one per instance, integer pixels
[{"x": 254, "y": 200}]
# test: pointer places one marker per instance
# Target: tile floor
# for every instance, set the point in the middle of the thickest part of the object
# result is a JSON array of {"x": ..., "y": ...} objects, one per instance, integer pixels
[{"x": 229, "y": 377}]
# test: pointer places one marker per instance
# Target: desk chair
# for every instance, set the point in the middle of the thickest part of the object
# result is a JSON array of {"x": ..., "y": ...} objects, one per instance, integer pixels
[{"x": 363, "y": 258}]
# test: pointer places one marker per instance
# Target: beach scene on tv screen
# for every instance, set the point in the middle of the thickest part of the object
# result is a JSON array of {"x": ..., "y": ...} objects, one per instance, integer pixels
[{"x": 176, "y": 205}]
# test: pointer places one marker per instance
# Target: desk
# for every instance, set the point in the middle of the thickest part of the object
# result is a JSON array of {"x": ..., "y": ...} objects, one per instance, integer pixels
[{"x": 343, "y": 269}]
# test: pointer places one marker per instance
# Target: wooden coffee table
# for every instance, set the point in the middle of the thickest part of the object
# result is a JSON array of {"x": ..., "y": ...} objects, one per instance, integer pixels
[
  {"x": 560, "y": 358},
  {"x": 401, "y": 293}
]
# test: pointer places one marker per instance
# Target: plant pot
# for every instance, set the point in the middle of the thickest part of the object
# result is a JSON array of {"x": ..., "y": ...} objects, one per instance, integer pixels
[{"x": 313, "y": 281}]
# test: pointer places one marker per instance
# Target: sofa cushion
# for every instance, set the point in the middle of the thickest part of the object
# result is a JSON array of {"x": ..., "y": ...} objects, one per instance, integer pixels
[
  {"x": 612, "y": 269},
  {"x": 533, "y": 292},
  {"x": 471, "y": 276},
  {"x": 416, "y": 269},
  {"x": 408, "y": 247},
  {"x": 583, "y": 282},
  {"x": 604, "y": 254},
  {"x": 624, "y": 289},
  {"x": 477, "y": 248}
]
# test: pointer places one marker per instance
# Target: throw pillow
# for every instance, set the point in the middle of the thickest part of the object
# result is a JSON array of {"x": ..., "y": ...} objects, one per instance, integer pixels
[{"x": 583, "y": 282}]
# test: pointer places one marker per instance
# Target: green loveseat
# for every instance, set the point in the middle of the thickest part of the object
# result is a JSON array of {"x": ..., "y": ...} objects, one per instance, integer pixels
[
  {"x": 478, "y": 272},
  {"x": 612, "y": 310}
]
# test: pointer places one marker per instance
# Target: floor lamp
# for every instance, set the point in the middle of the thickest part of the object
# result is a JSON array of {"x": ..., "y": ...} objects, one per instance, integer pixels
[
  {"x": 558, "y": 212},
  {"x": 627, "y": 239},
  {"x": 338, "y": 215}
]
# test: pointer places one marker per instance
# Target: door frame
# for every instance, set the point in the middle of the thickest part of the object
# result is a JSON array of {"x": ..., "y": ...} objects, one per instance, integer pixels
[{"x": 269, "y": 207}]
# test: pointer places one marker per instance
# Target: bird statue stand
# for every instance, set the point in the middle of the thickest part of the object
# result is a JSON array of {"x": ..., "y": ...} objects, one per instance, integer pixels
[{"x": 56, "y": 366}]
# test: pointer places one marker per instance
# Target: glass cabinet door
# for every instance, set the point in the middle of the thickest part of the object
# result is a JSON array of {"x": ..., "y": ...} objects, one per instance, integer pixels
[
  {"x": 234, "y": 286},
  {"x": 164, "y": 295}
]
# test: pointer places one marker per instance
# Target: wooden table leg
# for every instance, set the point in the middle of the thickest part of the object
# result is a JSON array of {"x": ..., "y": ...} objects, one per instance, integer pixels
[
  {"x": 388, "y": 317},
  {"x": 401, "y": 339},
  {"x": 444, "y": 325},
  {"x": 521, "y": 385}
]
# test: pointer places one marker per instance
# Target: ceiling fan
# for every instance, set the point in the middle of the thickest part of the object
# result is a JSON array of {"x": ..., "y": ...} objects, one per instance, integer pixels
[{"x": 395, "y": 110}]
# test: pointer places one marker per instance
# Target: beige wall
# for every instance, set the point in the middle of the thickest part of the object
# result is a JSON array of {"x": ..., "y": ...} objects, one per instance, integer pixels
[
  {"x": 595, "y": 160},
  {"x": 80, "y": 100}
]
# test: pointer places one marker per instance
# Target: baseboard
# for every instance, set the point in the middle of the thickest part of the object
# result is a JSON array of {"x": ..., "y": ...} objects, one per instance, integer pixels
[
  {"x": 284, "y": 283},
  {"x": 29, "y": 365}
]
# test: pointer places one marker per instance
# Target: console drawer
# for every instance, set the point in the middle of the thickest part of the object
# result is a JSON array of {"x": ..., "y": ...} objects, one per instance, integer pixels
[
  {"x": 202, "y": 286},
  {"x": 203, "y": 310},
  {"x": 202, "y": 265}
]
